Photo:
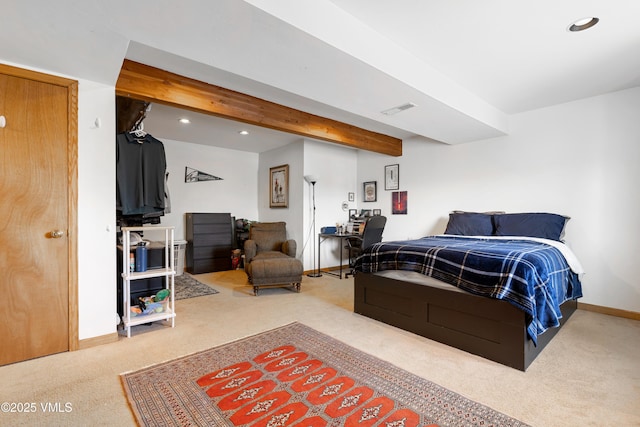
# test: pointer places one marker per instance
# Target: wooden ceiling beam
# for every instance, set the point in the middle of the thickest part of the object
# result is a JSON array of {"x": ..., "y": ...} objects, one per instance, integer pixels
[
  {"x": 129, "y": 112},
  {"x": 147, "y": 83}
]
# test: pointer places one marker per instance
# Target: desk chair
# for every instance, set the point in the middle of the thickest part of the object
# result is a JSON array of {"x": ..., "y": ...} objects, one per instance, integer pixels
[{"x": 373, "y": 228}]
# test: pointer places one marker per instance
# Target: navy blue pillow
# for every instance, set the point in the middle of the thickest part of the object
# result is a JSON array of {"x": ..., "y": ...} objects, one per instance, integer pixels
[
  {"x": 469, "y": 224},
  {"x": 542, "y": 225}
]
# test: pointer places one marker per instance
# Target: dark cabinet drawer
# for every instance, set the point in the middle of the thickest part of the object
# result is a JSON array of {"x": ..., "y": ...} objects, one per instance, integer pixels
[
  {"x": 211, "y": 264},
  {"x": 209, "y": 242},
  {"x": 211, "y": 252},
  {"x": 217, "y": 229},
  {"x": 209, "y": 218}
]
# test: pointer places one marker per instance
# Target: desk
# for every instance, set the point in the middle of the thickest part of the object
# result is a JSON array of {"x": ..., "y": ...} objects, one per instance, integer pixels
[{"x": 324, "y": 236}]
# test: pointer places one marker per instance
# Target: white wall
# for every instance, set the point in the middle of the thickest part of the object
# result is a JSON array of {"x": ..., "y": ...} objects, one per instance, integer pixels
[
  {"x": 291, "y": 155},
  {"x": 96, "y": 214},
  {"x": 335, "y": 167},
  {"x": 236, "y": 193},
  {"x": 578, "y": 159}
]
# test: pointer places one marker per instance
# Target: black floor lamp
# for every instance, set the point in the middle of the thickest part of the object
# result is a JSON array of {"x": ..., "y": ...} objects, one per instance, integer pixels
[{"x": 312, "y": 180}]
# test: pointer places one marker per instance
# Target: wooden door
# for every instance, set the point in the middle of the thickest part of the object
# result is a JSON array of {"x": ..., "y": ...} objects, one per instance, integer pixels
[{"x": 36, "y": 195}]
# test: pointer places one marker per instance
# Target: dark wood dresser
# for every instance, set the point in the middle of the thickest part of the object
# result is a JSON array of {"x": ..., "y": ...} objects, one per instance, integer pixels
[{"x": 209, "y": 242}]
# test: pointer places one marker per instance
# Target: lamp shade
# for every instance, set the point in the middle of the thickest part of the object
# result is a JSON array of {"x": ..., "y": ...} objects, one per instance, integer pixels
[{"x": 311, "y": 179}]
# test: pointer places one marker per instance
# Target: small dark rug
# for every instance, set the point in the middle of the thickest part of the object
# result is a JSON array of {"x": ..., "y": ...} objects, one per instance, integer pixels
[
  {"x": 295, "y": 376},
  {"x": 188, "y": 287}
]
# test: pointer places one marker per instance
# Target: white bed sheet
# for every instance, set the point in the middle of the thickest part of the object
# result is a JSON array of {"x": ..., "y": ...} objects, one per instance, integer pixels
[{"x": 420, "y": 279}]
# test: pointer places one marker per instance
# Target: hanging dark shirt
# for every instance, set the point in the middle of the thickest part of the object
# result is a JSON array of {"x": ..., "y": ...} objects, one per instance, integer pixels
[{"x": 140, "y": 174}]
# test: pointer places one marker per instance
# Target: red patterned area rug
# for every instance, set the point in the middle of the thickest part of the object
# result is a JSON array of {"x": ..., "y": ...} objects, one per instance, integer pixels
[{"x": 294, "y": 376}]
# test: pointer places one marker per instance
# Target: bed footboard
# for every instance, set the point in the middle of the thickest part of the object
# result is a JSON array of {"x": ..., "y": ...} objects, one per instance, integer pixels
[{"x": 489, "y": 328}]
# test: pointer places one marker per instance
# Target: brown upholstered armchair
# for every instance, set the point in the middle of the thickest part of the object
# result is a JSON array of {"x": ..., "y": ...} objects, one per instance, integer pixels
[{"x": 270, "y": 258}]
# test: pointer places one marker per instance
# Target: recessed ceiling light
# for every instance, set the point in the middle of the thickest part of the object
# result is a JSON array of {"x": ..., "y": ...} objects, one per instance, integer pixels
[
  {"x": 244, "y": 132},
  {"x": 185, "y": 121},
  {"x": 583, "y": 24}
]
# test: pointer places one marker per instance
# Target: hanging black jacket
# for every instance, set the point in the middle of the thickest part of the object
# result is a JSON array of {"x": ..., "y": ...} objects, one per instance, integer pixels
[{"x": 140, "y": 175}]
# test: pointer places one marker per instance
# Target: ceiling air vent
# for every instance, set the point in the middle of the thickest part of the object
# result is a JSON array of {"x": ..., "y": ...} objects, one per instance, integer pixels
[{"x": 399, "y": 108}]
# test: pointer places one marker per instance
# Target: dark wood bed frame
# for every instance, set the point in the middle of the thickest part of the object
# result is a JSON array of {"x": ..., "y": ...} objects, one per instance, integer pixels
[{"x": 490, "y": 328}]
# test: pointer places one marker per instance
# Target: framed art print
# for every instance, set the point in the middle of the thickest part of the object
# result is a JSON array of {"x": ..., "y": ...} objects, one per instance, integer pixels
[
  {"x": 399, "y": 203},
  {"x": 279, "y": 187},
  {"x": 370, "y": 191},
  {"x": 392, "y": 177}
]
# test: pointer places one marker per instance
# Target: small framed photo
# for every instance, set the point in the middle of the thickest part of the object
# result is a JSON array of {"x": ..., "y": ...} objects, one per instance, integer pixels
[
  {"x": 353, "y": 213},
  {"x": 399, "y": 203},
  {"x": 370, "y": 191},
  {"x": 377, "y": 212},
  {"x": 392, "y": 177},
  {"x": 352, "y": 197},
  {"x": 279, "y": 186}
]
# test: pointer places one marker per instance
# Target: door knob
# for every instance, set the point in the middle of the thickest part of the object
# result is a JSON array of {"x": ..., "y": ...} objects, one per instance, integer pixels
[{"x": 56, "y": 234}]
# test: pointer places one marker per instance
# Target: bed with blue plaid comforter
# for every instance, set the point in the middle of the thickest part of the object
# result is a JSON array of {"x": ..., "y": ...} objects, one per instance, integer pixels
[{"x": 533, "y": 276}]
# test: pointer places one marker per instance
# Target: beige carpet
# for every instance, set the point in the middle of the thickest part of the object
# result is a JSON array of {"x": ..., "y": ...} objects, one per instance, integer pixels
[{"x": 589, "y": 375}]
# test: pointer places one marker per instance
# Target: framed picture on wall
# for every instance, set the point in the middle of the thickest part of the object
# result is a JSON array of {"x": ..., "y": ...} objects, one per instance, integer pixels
[
  {"x": 399, "y": 203},
  {"x": 392, "y": 177},
  {"x": 377, "y": 212},
  {"x": 279, "y": 186},
  {"x": 370, "y": 191}
]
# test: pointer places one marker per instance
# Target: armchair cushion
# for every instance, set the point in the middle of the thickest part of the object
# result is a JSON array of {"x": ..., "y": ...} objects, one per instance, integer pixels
[
  {"x": 269, "y": 236},
  {"x": 250, "y": 251},
  {"x": 289, "y": 248},
  {"x": 270, "y": 258},
  {"x": 273, "y": 267}
]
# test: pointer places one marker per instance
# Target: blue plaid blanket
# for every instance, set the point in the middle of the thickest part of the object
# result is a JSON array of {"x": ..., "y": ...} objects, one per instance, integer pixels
[{"x": 533, "y": 276}]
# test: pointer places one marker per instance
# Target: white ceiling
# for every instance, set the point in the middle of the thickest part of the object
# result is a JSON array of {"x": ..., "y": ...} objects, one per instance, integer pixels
[
  {"x": 163, "y": 122},
  {"x": 468, "y": 65}
]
